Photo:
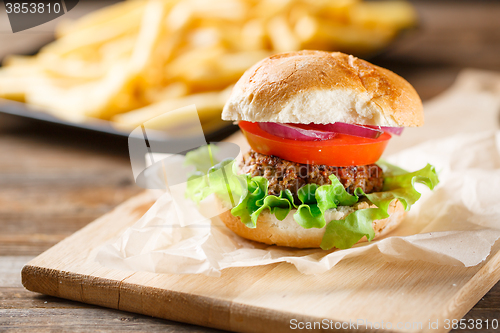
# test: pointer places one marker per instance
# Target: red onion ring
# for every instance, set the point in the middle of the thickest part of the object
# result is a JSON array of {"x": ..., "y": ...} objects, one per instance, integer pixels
[
  {"x": 313, "y": 132},
  {"x": 392, "y": 130},
  {"x": 350, "y": 129},
  {"x": 296, "y": 132}
]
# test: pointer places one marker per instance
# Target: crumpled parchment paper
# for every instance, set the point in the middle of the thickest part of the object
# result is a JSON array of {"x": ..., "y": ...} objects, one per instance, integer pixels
[{"x": 456, "y": 224}]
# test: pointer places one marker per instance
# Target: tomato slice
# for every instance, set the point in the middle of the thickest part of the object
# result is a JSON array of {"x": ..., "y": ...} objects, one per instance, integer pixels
[{"x": 343, "y": 150}]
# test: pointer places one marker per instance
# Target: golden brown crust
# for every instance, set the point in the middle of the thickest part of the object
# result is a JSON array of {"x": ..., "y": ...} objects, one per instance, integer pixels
[
  {"x": 323, "y": 87},
  {"x": 271, "y": 231}
]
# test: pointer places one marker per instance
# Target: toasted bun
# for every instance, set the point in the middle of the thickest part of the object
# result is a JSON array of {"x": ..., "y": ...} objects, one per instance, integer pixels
[
  {"x": 288, "y": 232},
  {"x": 322, "y": 87}
]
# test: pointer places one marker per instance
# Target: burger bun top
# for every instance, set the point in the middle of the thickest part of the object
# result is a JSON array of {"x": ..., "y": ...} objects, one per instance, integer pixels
[{"x": 323, "y": 87}]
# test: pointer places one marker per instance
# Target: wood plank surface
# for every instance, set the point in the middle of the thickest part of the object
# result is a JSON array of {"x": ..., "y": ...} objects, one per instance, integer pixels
[
  {"x": 263, "y": 298},
  {"x": 43, "y": 169}
]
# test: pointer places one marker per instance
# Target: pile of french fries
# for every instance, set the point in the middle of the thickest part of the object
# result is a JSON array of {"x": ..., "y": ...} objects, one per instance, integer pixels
[{"x": 138, "y": 59}]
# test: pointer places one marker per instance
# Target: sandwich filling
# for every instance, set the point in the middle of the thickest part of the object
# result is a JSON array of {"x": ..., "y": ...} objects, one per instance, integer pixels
[
  {"x": 265, "y": 183},
  {"x": 286, "y": 175}
]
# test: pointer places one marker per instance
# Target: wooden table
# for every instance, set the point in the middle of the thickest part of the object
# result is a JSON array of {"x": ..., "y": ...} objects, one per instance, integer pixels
[{"x": 53, "y": 181}]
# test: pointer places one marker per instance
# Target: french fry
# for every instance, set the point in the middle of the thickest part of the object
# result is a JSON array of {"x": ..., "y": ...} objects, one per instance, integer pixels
[
  {"x": 93, "y": 37},
  {"x": 96, "y": 99},
  {"x": 192, "y": 60},
  {"x": 19, "y": 61},
  {"x": 267, "y": 9},
  {"x": 316, "y": 33},
  {"x": 231, "y": 10},
  {"x": 18, "y": 74},
  {"x": 336, "y": 11},
  {"x": 171, "y": 91},
  {"x": 127, "y": 11},
  {"x": 254, "y": 35},
  {"x": 393, "y": 14},
  {"x": 208, "y": 105},
  {"x": 282, "y": 37},
  {"x": 13, "y": 84},
  {"x": 220, "y": 70}
]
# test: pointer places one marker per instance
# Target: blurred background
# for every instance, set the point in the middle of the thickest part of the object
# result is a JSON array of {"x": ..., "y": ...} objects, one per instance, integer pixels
[{"x": 71, "y": 90}]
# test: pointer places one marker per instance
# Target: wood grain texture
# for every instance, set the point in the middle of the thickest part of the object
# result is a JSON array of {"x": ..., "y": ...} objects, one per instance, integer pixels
[
  {"x": 25, "y": 311},
  {"x": 43, "y": 169},
  {"x": 260, "y": 299}
]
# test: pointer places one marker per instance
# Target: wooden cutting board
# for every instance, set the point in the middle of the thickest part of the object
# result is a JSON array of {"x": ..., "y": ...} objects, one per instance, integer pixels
[{"x": 359, "y": 294}]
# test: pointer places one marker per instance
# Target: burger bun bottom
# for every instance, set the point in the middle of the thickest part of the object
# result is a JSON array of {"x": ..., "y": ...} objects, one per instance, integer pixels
[{"x": 289, "y": 233}]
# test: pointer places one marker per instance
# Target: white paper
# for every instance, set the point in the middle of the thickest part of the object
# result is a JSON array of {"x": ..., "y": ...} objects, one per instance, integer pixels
[{"x": 456, "y": 224}]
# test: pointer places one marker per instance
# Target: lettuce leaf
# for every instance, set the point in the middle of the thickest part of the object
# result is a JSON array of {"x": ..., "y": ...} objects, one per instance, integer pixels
[
  {"x": 249, "y": 197},
  {"x": 201, "y": 158},
  {"x": 345, "y": 233},
  {"x": 197, "y": 187},
  {"x": 308, "y": 214}
]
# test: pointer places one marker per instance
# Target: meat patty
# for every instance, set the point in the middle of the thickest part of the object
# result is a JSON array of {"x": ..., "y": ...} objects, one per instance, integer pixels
[{"x": 283, "y": 174}]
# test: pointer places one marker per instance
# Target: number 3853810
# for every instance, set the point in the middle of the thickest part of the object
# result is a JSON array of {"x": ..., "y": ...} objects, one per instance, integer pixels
[
  {"x": 32, "y": 8},
  {"x": 470, "y": 324}
]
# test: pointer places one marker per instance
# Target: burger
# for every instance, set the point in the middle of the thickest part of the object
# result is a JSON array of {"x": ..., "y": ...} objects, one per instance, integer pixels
[{"x": 317, "y": 124}]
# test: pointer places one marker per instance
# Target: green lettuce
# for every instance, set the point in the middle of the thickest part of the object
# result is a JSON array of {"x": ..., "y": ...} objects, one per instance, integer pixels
[
  {"x": 197, "y": 184},
  {"x": 201, "y": 158},
  {"x": 249, "y": 197},
  {"x": 197, "y": 187}
]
